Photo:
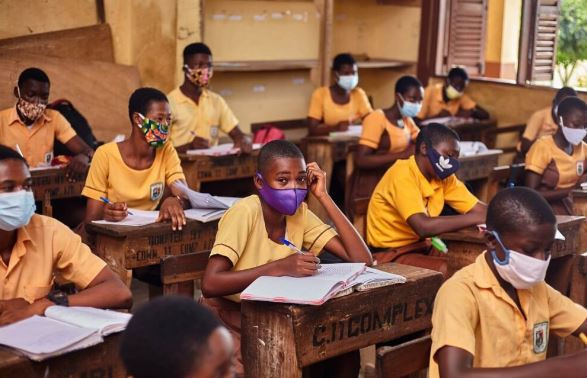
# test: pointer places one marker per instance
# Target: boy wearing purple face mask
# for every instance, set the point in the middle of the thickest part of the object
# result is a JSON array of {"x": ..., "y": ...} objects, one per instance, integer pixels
[
  {"x": 405, "y": 207},
  {"x": 248, "y": 243}
]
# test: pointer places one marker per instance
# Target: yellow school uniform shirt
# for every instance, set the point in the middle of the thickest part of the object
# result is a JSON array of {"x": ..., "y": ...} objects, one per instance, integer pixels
[
  {"x": 540, "y": 124},
  {"x": 243, "y": 239},
  {"x": 44, "y": 248},
  {"x": 203, "y": 119},
  {"x": 323, "y": 108},
  {"x": 473, "y": 312},
  {"x": 433, "y": 102},
  {"x": 110, "y": 177},
  {"x": 570, "y": 168},
  {"x": 399, "y": 137},
  {"x": 404, "y": 191},
  {"x": 36, "y": 142}
]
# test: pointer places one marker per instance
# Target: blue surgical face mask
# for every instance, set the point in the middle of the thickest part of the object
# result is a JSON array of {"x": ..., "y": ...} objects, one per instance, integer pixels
[
  {"x": 443, "y": 166},
  {"x": 16, "y": 209},
  {"x": 409, "y": 109}
]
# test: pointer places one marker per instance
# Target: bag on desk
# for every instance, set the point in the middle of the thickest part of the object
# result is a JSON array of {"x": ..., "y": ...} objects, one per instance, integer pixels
[{"x": 267, "y": 134}]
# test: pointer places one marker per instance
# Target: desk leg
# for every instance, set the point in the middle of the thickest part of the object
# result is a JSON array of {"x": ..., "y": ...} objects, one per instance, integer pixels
[
  {"x": 580, "y": 208},
  {"x": 47, "y": 208},
  {"x": 579, "y": 295},
  {"x": 112, "y": 251},
  {"x": 320, "y": 153},
  {"x": 267, "y": 342}
]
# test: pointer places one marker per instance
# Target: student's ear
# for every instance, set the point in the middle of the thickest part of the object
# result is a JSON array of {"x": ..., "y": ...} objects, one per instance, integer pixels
[
  {"x": 258, "y": 181},
  {"x": 491, "y": 244},
  {"x": 15, "y": 91},
  {"x": 136, "y": 119},
  {"x": 399, "y": 100},
  {"x": 423, "y": 149}
]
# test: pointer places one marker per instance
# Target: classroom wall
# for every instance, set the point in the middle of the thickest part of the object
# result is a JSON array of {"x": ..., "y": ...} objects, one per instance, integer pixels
[{"x": 503, "y": 30}]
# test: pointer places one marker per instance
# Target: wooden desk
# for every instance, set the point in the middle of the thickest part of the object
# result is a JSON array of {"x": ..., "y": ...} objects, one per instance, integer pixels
[
  {"x": 51, "y": 184},
  {"x": 127, "y": 247},
  {"x": 580, "y": 208},
  {"x": 473, "y": 130},
  {"x": 97, "y": 361},
  {"x": 279, "y": 339},
  {"x": 199, "y": 169}
]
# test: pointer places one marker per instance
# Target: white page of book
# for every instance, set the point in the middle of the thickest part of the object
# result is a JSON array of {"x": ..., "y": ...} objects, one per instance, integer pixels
[
  {"x": 374, "y": 275},
  {"x": 105, "y": 321},
  {"x": 221, "y": 150},
  {"x": 137, "y": 218}
]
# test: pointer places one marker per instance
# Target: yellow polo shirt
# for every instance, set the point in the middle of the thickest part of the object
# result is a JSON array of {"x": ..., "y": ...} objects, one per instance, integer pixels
[
  {"x": 399, "y": 137},
  {"x": 203, "y": 119},
  {"x": 46, "y": 247},
  {"x": 473, "y": 312},
  {"x": 323, "y": 108},
  {"x": 110, "y": 177},
  {"x": 540, "y": 124},
  {"x": 243, "y": 239},
  {"x": 433, "y": 102},
  {"x": 404, "y": 191},
  {"x": 570, "y": 168},
  {"x": 36, "y": 142}
]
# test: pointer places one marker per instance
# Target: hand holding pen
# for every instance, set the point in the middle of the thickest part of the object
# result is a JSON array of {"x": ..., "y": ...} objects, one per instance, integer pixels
[
  {"x": 115, "y": 211},
  {"x": 300, "y": 264}
]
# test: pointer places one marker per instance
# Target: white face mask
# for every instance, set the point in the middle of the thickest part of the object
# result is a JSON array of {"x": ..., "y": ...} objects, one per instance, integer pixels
[
  {"x": 573, "y": 136},
  {"x": 16, "y": 209},
  {"x": 348, "y": 82},
  {"x": 520, "y": 270},
  {"x": 452, "y": 93}
]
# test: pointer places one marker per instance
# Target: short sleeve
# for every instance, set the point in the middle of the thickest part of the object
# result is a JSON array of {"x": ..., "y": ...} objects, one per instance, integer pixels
[
  {"x": 373, "y": 128},
  {"x": 316, "y": 233},
  {"x": 406, "y": 196},
  {"x": 234, "y": 230},
  {"x": 63, "y": 130},
  {"x": 566, "y": 316},
  {"x": 466, "y": 102},
  {"x": 533, "y": 126},
  {"x": 316, "y": 109},
  {"x": 228, "y": 120},
  {"x": 426, "y": 102},
  {"x": 457, "y": 196},
  {"x": 97, "y": 181},
  {"x": 364, "y": 104},
  {"x": 73, "y": 260},
  {"x": 173, "y": 170},
  {"x": 538, "y": 157}
]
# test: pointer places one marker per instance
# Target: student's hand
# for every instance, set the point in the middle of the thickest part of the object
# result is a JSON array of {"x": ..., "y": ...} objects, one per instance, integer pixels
[
  {"x": 245, "y": 144},
  {"x": 342, "y": 126},
  {"x": 115, "y": 212},
  {"x": 316, "y": 181},
  {"x": 199, "y": 143},
  {"x": 77, "y": 168},
  {"x": 298, "y": 265},
  {"x": 13, "y": 313},
  {"x": 172, "y": 209}
]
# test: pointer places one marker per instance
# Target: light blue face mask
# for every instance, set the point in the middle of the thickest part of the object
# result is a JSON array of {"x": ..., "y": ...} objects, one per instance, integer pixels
[
  {"x": 16, "y": 209},
  {"x": 409, "y": 109}
]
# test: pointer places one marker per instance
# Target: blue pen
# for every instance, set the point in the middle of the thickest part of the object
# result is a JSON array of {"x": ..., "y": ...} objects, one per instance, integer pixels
[
  {"x": 290, "y": 245},
  {"x": 108, "y": 202}
]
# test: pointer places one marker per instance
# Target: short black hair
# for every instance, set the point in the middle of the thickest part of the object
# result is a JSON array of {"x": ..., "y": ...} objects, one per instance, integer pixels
[
  {"x": 195, "y": 48},
  {"x": 33, "y": 73},
  {"x": 434, "y": 134},
  {"x": 458, "y": 72},
  {"x": 342, "y": 59},
  {"x": 163, "y": 337},
  {"x": 569, "y": 104},
  {"x": 514, "y": 209},
  {"x": 7, "y": 153},
  {"x": 277, "y": 149},
  {"x": 562, "y": 93},
  {"x": 140, "y": 100},
  {"x": 405, "y": 83}
]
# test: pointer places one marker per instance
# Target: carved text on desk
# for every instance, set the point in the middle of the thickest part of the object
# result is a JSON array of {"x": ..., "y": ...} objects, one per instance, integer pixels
[{"x": 57, "y": 186}]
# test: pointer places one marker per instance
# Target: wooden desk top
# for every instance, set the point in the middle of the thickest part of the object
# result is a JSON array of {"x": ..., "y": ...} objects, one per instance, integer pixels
[
  {"x": 149, "y": 229},
  {"x": 579, "y": 193},
  {"x": 217, "y": 159}
]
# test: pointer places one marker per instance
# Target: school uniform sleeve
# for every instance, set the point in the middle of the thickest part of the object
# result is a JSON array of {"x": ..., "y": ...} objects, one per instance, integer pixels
[
  {"x": 73, "y": 260},
  {"x": 63, "y": 130},
  {"x": 97, "y": 181},
  {"x": 426, "y": 102},
  {"x": 316, "y": 232},
  {"x": 457, "y": 196},
  {"x": 406, "y": 196},
  {"x": 373, "y": 128},
  {"x": 228, "y": 120},
  {"x": 173, "y": 170},
  {"x": 466, "y": 102},
  {"x": 538, "y": 157},
  {"x": 533, "y": 126},
  {"x": 234, "y": 230},
  {"x": 364, "y": 104},
  {"x": 566, "y": 316},
  {"x": 316, "y": 109}
]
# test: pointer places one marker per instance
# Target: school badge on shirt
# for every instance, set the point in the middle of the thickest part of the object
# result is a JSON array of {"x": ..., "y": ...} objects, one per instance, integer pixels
[
  {"x": 156, "y": 191},
  {"x": 540, "y": 337},
  {"x": 580, "y": 168}
]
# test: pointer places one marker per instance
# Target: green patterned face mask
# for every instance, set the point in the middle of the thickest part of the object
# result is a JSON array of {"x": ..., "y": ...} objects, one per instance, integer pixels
[{"x": 155, "y": 133}]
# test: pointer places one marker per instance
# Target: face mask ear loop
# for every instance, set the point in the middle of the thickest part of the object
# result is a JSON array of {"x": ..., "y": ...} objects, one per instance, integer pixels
[{"x": 506, "y": 251}]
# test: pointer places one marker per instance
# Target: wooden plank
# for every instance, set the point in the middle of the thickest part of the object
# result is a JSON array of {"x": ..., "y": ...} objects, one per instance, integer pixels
[
  {"x": 181, "y": 268},
  {"x": 401, "y": 360},
  {"x": 99, "y": 90},
  {"x": 580, "y": 209},
  {"x": 87, "y": 43},
  {"x": 54, "y": 182},
  {"x": 269, "y": 65},
  {"x": 477, "y": 167}
]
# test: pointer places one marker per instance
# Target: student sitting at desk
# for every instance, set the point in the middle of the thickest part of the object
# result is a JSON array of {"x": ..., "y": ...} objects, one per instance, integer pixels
[
  {"x": 542, "y": 122},
  {"x": 342, "y": 104},
  {"x": 248, "y": 242},
  {"x": 493, "y": 318},
  {"x": 174, "y": 337},
  {"x": 35, "y": 248},
  {"x": 448, "y": 99},
  {"x": 555, "y": 164},
  {"x": 407, "y": 202},
  {"x": 138, "y": 172},
  {"x": 388, "y": 135},
  {"x": 31, "y": 128},
  {"x": 198, "y": 113}
]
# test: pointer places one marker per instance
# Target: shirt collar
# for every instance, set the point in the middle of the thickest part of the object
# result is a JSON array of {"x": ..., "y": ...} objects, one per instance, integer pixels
[
  {"x": 14, "y": 118},
  {"x": 426, "y": 187},
  {"x": 184, "y": 98}
]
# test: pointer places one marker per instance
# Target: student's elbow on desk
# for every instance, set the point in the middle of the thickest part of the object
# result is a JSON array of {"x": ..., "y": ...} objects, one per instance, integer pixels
[{"x": 422, "y": 225}]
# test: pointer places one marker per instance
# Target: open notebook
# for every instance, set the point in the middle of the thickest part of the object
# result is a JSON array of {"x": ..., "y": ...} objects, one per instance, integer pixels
[
  {"x": 330, "y": 280},
  {"x": 61, "y": 330},
  {"x": 221, "y": 150}
]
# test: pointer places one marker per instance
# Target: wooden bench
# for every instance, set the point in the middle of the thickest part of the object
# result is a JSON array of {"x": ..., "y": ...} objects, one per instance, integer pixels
[
  {"x": 499, "y": 177},
  {"x": 517, "y": 129},
  {"x": 178, "y": 273},
  {"x": 403, "y": 360}
]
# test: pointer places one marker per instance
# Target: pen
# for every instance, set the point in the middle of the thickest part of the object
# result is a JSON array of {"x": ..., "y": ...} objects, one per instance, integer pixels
[
  {"x": 19, "y": 151},
  {"x": 108, "y": 202},
  {"x": 583, "y": 338},
  {"x": 290, "y": 245}
]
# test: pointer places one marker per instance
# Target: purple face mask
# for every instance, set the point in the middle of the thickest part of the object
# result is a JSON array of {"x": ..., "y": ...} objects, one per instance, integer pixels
[
  {"x": 284, "y": 201},
  {"x": 443, "y": 166}
]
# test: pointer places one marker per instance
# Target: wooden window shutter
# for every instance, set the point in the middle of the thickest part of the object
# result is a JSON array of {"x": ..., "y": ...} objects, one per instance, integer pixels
[
  {"x": 467, "y": 25},
  {"x": 542, "y": 47}
]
